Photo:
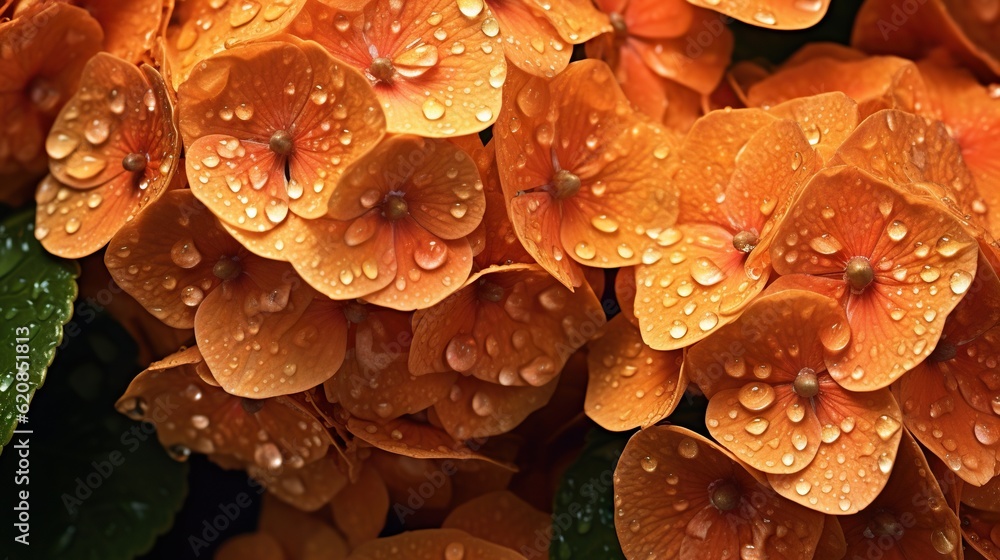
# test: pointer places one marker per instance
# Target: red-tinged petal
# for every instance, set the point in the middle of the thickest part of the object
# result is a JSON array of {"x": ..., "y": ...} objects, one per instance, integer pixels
[
  {"x": 509, "y": 325},
  {"x": 301, "y": 535},
  {"x": 191, "y": 415},
  {"x": 656, "y": 19},
  {"x": 428, "y": 268},
  {"x": 476, "y": 409},
  {"x": 412, "y": 439},
  {"x": 432, "y": 544},
  {"x": 970, "y": 112},
  {"x": 530, "y": 42},
  {"x": 917, "y": 260},
  {"x": 426, "y": 85},
  {"x": 698, "y": 285},
  {"x": 902, "y": 148},
  {"x": 204, "y": 28},
  {"x": 681, "y": 520},
  {"x": 985, "y": 497},
  {"x": 341, "y": 259},
  {"x": 949, "y": 405},
  {"x": 252, "y": 546},
  {"x": 864, "y": 429},
  {"x": 782, "y": 14},
  {"x": 631, "y": 385},
  {"x": 157, "y": 260},
  {"x": 360, "y": 509},
  {"x": 41, "y": 69},
  {"x": 502, "y": 518},
  {"x": 663, "y": 100},
  {"x": 910, "y": 518},
  {"x": 981, "y": 530},
  {"x": 254, "y": 331},
  {"x": 387, "y": 392}
]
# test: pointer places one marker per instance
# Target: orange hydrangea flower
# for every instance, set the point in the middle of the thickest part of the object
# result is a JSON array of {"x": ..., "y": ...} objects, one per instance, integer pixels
[
  {"x": 262, "y": 154},
  {"x": 200, "y": 29},
  {"x": 895, "y": 258},
  {"x": 666, "y": 55},
  {"x": 278, "y": 440},
  {"x": 775, "y": 14},
  {"x": 113, "y": 150},
  {"x": 910, "y": 518},
  {"x": 131, "y": 27},
  {"x": 538, "y": 37},
  {"x": 738, "y": 172},
  {"x": 437, "y": 66},
  {"x": 253, "y": 318},
  {"x": 359, "y": 510},
  {"x": 963, "y": 30},
  {"x": 583, "y": 175},
  {"x": 775, "y": 405},
  {"x": 433, "y": 544},
  {"x": 505, "y": 519},
  {"x": 283, "y": 528},
  {"x": 950, "y": 401},
  {"x": 703, "y": 503},
  {"x": 42, "y": 58}
]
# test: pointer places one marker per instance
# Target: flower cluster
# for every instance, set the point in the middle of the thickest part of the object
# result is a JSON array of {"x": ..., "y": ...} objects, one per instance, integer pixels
[{"x": 382, "y": 232}]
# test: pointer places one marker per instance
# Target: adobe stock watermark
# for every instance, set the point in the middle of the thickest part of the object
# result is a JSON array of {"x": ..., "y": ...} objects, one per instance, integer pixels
[{"x": 901, "y": 14}]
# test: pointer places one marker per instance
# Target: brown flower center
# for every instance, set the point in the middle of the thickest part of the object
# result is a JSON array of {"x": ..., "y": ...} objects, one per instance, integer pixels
[
  {"x": 943, "y": 352},
  {"x": 395, "y": 208},
  {"x": 806, "y": 384},
  {"x": 745, "y": 241},
  {"x": 134, "y": 162},
  {"x": 565, "y": 184},
  {"x": 859, "y": 273},
  {"x": 382, "y": 70},
  {"x": 725, "y": 496},
  {"x": 618, "y": 23},
  {"x": 281, "y": 142},
  {"x": 227, "y": 268},
  {"x": 490, "y": 291},
  {"x": 355, "y": 312}
]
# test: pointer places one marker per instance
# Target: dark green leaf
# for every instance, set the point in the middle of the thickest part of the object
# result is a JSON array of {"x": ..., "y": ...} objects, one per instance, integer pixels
[{"x": 36, "y": 299}]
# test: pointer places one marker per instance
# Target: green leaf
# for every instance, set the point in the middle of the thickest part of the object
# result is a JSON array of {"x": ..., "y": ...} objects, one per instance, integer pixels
[
  {"x": 36, "y": 299},
  {"x": 583, "y": 524},
  {"x": 101, "y": 486}
]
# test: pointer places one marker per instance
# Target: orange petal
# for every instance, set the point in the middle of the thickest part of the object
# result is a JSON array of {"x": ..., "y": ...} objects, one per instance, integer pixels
[
  {"x": 512, "y": 327},
  {"x": 902, "y": 148},
  {"x": 432, "y": 544},
  {"x": 698, "y": 285},
  {"x": 203, "y": 28},
  {"x": 504, "y": 519},
  {"x": 832, "y": 543},
  {"x": 252, "y": 332},
  {"x": 780, "y": 14},
  {"x": 303, "y": 536},
  {"x": 985, "y": 497},
  {"x": 500, "y": 244},
  {"x": 826, "y": 119},
  {"x": 948, "y": 403},
  {"x": 530, "y": 42},
  {"x": 597, "y": 225},
  {"x": 191, "y": 415},
  {"x": 440, "y": 70},
  {"x": 307, "y": 488},
  {"x": 165, "y": 257},
  {"x": 42, "y": 71},
  {"x": 88, "y": 151},
  {"x": 657, "y": 19},
  {"x": 476, "y": 409},
  {"x": 680, "y": 521},
  {"x": 625, "y": 289},
  {"x": 969, "y": 110},
  {"x": 979, "y": 528},
  {"x": 412, "y": 439},
  {"x": 687, "y": 59},
  {"x": 922, "y": 261},
  {"x": 911, "y": 509},
  {"x": 575, "y": 20},
  {"x": 252, "y": 546},
  {"x": 360, "y": 509},
  {"x": 631, "y": 385},
  {"x": 662, "y": 99}
]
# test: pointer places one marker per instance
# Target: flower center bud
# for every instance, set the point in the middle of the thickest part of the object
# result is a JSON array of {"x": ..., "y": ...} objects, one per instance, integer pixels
[
  {"x": 394, "y": 208},
  {"x": 884, "y": 524},
  {"x": 382, "y": 70},
  {"x": 281, "y": 142},
  {"x": 943, "y": 352},
  {"x": 227, "y": 268},
  {"x": 745, "y": 241},
  {"x": 806, "y": 384},
  {"x": 618, "y": 23},
  {"x": 355, "y": 312},
  {"x": 566, "y": 184},
  {"x": 251, "y": 406},
  {"x": 134, "y": 162},
  {"x": 490, "y": 291},
  {"x": 859, "y": 273},
  {"x": 725, "y": 496}
]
